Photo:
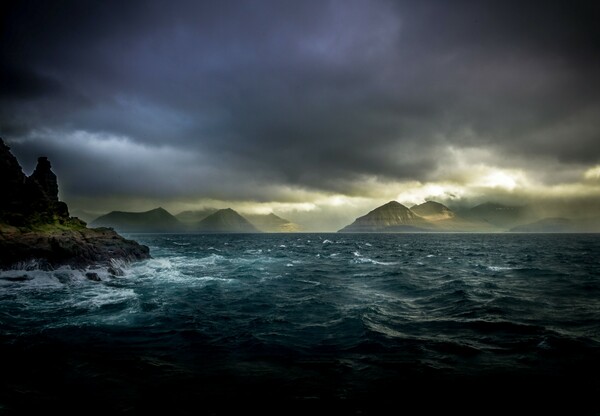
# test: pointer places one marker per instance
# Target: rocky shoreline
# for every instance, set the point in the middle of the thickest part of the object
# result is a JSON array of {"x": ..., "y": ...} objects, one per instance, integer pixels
[
  {"x": 36, "y": 229},
  {"x": 80, "y": 249}
]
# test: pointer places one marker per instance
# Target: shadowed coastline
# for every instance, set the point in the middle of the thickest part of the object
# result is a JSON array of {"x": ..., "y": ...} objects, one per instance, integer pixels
[{"x": 36, "y": 230}]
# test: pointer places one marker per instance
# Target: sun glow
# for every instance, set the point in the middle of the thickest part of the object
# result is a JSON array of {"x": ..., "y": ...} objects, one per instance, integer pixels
[
  {"x": 499, "y": 179},
  {"x": 592, "y": 173}
]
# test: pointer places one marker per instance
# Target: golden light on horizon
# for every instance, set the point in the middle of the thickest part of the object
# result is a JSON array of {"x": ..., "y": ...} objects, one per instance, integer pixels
[
  {"x": 499, "y": 179},
  {"x": 592, "y": 173}
]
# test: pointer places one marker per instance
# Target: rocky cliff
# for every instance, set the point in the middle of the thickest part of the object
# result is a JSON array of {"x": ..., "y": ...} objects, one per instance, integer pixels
[
  {"x": 29, "y": 201},
  {"x": 35, "y": 226}
]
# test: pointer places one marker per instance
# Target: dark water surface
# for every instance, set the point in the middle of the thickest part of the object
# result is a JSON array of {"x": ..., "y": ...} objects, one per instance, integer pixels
[{"x": 350, "y": 321}]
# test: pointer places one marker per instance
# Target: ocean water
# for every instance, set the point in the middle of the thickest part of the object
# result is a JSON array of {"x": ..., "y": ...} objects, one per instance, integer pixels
[{"x": 351, "y": 321}]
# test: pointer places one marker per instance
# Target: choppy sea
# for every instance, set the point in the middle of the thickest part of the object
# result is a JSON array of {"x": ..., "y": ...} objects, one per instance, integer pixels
[{"x": 352, "y": 322}]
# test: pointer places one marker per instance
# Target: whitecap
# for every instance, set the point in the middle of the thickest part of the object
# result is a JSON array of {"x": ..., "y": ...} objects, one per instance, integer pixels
[
  {"x": 327, "y": 241},
  {"x": 382, "y": 329},
  {"x": 45, "y": 279},
  {"x": 209, "y": 260},
  {"x": 499, "y": 268},
  {"x": 18, "y": 276},
  {"x": 366, "y": 260},
  {"x": 269, "y": 277},
  {"x": 312, "y": 282},
  {"x": 104, "y": 296},
  {"x": 29, "y": 279},
  {"x": 216, "y": 279},
  {"x": 33, "y": 264},
  {"x": 543, "y": 344}
]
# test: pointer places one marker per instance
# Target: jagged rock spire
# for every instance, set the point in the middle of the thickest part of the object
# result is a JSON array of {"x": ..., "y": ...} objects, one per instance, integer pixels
[
  {"x": 12, "y": 182},
  {"x": 46, "y": 179},
  {"x": 27, "y": 200}
]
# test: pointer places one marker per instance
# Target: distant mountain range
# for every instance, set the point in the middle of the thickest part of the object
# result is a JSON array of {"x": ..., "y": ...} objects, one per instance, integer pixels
[
  {"x": 192, "y": 217},
  {"x": 225, "y": 221},
  {"x": 432, "y": 216},
  {"x": 433, "y": 211},
  {"x": 272, "y": 223},
  {"x": 500, "y": 216},
  {"x": 157, "y": 220},
  {"x": 559, "y": 225},
  {"x": 392, "y": 217},
  {"x": 208, "y": 220}
]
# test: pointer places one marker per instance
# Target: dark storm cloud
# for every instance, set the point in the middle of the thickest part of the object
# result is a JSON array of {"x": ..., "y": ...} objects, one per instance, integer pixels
[
  {"x": 22, "y": 83},
  {"x": 316, "y": 95}
]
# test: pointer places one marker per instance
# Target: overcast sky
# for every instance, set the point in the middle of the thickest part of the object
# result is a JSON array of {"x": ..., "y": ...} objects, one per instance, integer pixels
[{"x": 318, "y": 110}]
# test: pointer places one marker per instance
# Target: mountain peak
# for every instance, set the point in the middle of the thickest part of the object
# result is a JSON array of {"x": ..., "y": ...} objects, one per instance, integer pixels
[
  {"x": 433, "y": 211},
  {"x": 500, "y": 215},
  {"x": 195, "y": 216},
  {"x": 391, "y": 217},
  {"x": 431, "y": 204},
  {"x": 157, "y": 220},
  {"x": 393, "y": 204},
  {"x": 272, "y": 223},
  {"x": 226, "y": 221}
]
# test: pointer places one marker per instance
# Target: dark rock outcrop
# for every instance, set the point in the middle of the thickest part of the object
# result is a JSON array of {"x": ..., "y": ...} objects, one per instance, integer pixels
[
  {"x": 12, "y": 185},
  {"x": 35, "y": 225},
  {"x": 46, "y": 179},
  {"x": 29, "y": 201},
  {"x": 93, "y": 277},
  {"x": 76, "y": 248}
]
